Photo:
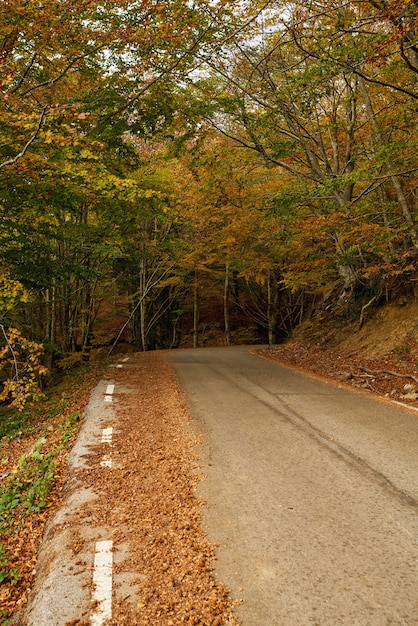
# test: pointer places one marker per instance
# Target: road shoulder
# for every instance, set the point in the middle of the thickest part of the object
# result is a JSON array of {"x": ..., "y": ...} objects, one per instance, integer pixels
[{"x": 136, "y": 489}]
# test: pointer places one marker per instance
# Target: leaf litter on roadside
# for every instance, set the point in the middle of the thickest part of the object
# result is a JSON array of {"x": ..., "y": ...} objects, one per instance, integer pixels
[{"x": 148, "y": 499}]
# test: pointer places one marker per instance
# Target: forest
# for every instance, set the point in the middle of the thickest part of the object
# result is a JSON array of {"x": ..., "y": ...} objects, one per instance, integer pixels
[{"x": 257, "y": 159}]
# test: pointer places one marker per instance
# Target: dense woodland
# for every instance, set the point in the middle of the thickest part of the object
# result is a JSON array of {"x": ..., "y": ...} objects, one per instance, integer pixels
[{"x": 172, "y": 155}]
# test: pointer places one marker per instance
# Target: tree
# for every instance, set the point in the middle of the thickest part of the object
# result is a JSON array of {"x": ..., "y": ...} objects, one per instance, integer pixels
[
  {"x": 300, "y": 90},
  {"x": 20, "y": 365},
  {"x": 78, "y": 81},
  {"x": 233, "y": 239}
]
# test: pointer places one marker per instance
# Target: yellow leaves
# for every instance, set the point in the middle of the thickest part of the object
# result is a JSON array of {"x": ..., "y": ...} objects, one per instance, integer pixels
[
  {"x": 11, "y": 293},
  {"x": 71, "y": 361},
  {"x": 388, "y": 270},
  {"x": 88, "y": 155},
  {"x": 49, "y": 137},
  {"x": 21, "y": 366}
]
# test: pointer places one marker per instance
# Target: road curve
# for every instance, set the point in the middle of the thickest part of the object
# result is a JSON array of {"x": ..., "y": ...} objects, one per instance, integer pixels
[{"x": 311, "y": 492}]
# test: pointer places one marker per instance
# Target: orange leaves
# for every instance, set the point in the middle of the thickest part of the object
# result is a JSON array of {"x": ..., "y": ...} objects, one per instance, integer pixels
[{"x": 220, "y": 210}]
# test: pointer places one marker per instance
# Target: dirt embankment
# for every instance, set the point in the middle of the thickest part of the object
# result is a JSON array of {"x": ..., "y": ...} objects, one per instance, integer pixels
[{"x": 381, "y": 357}]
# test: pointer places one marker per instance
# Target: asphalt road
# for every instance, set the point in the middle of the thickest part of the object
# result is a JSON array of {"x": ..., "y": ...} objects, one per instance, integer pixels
[{"x": 311, "y": 492}]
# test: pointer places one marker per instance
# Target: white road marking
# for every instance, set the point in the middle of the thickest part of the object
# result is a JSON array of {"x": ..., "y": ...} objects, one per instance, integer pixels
[
  {"x": 119, "y": 365},
  {"x": 108, "y": 398},
  {"x": 408, "y": 406},
  {"x": 107, "y": 434},
  {"x": 110, "y": 389},
  {"x": 125, "y": 359},
  {"x": 102, "y": 581},
  {"x": 106, "y": 461}
]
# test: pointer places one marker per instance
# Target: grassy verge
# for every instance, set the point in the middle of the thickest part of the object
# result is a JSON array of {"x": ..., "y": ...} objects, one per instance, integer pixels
[{"x": 33, "y": 450}]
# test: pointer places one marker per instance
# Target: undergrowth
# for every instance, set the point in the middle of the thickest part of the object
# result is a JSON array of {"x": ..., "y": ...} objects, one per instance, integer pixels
[
  {"x": 43, "y": 432},
  {"x": 26, "y": 490}
]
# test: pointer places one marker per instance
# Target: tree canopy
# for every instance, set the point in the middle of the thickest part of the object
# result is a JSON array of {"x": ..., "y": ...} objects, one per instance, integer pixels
[{"x": 262, "y": 155}]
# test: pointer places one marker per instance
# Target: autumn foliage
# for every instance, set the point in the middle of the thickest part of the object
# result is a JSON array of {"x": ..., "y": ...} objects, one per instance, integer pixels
[{"x": 167, "y": 155}]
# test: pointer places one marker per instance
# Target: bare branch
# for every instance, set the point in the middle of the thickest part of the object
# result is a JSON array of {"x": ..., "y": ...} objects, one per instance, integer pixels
[
  {"x": 363, "y": 309},
  {"x": 25, "y": 73},
  {"x": 9, "y": 345},
  {"x": 260, "y": 149},
  {"x": 29, "y": 142},
  {"x": 150, "y": 284}
]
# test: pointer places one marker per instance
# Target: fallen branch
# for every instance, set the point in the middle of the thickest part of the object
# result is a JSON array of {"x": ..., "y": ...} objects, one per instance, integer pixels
[
  {"x": 365, "y": 369},
  {"x": 367, "y": 385}
]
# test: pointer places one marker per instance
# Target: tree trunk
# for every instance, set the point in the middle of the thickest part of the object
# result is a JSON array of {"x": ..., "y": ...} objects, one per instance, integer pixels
[
  {"x": 195, "y": 313},
  {"x": 226, "y": 307},
  {"x": 142, "y": 306},
  {"x": 272, "y": 312}
]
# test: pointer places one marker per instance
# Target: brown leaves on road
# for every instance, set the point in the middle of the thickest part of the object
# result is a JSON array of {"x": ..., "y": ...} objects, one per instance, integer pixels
[{"x": 148, "y": 499}]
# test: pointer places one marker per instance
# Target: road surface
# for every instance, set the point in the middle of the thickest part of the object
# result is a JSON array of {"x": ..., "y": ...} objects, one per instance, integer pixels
[{"x": 311, "y": 492}]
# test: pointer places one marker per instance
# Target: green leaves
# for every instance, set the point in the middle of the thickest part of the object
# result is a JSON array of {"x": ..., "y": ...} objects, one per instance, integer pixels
[
  {"x": 7, "y": 572},
  {"x": 28, "y": 487}
]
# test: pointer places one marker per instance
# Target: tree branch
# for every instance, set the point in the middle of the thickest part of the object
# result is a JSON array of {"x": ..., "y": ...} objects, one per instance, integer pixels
[
  {"x": 363, "y": 308},
  {"x": 260, "y": 149},
  {"x": 9, "y": 345},
  {"x": 155, "y": 80},
  {"x": 29, "y": 142},
  {"x": 52, "y": 81}
]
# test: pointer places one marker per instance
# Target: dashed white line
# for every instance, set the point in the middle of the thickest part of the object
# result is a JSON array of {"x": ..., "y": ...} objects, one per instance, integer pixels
[
  {"x": 125, "y": 359},
  {"x": 108, "y": 394},
  {"x": 107, "y": 434},
  {"x": 102, "y": 581},
  {"x": 103, "y": 558}
]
